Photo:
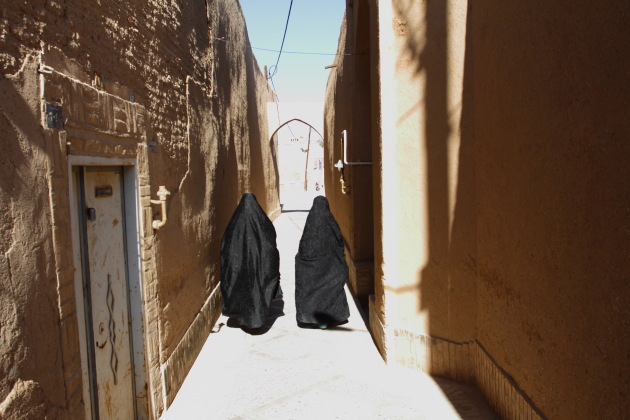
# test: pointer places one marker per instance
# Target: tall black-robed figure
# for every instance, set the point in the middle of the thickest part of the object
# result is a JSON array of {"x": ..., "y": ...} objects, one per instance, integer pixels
[
  {"x": 321, "y": 270},
  {"x": 250, "y": 264}
]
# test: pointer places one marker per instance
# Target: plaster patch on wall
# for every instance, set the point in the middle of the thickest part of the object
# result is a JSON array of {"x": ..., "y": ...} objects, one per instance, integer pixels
[{"x": 400, "y": 26}]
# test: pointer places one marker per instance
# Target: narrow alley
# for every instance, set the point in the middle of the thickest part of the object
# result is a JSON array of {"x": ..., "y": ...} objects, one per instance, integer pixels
[
  {"x": 286, "y": 372},
  {"x": 473, "y": 154}
]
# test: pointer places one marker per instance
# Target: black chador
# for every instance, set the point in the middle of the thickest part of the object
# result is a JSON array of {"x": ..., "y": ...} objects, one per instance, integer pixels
[
  {"x": 250, "y": 264},
  {"x": 321, "y": 270}
]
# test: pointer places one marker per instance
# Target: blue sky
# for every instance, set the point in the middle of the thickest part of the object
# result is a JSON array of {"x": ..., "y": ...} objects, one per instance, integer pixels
[{"x": 313, "y": 27}]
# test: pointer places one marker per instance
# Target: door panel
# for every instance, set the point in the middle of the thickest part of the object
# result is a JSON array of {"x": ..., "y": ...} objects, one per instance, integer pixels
[{"x": 108, "y": 291}]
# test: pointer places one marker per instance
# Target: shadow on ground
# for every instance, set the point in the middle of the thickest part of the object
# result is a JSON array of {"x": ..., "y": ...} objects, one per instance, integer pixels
[{"x": 466, "y": 399}]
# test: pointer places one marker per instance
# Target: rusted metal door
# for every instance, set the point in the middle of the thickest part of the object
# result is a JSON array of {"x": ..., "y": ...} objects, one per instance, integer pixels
[{"x": 106, "y": 287}]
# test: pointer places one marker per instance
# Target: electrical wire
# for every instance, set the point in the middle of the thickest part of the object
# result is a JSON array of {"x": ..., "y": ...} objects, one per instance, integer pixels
[
  {"x": 290, "y": 52},
  {"x": 277, "y": 100},
  {"x": 274, "y": 69},
  {"x": 286, "y": 26},
  {"x": 275, "y": 91},
  {"x": 292, "y": 133},
  {"x": 271, "y": 72}
]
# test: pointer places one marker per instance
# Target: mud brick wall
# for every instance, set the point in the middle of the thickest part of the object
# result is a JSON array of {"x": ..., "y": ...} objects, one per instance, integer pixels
[
  {"x": 501, "y": 195},
  {"x": 141, "y": 80}
]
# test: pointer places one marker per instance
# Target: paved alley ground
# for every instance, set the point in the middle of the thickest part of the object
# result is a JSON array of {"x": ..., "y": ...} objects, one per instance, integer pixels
[{"x": 293, "y": 373}]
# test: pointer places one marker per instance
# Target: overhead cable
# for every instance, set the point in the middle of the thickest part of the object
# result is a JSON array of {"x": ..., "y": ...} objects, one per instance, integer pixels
[
  {"x": 274, "y": 69},
  {"x": 278, "y": 107},
  {"x": 288, "y": 52}
]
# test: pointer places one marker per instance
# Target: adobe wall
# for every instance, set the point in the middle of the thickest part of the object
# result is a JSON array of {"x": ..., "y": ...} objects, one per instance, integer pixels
[
  {"x": 427, "y": 192},
  {"x": 503, "y": 199},
  {"x": 416, "y": 147},
  {"x": 550, "y": 94},
  {"x": 348, "y": 109},
  {"x": 143, "y": 81},
  {"x": 337, "y": 117},
  {"x": 31, "y": 362}
]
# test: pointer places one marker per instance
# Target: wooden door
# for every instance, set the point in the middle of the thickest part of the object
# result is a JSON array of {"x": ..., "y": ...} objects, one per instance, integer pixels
[{"x": 107, "y": 293}]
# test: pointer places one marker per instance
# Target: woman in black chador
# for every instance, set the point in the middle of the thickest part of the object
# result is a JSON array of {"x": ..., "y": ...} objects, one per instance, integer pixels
[
  {"x": 250, "y": 264},
  {"x": 321, "y": 271}
]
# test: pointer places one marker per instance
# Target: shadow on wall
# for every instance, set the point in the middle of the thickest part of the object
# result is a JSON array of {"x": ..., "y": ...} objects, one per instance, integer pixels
[
  {"x": 551, "y": 99},
  {"x": 258, "y": 177},
  {"x": 528, "y": 257},
  {"x": 273, "y": 148},
  {"x": 21, "y": 120},
  {"x": 228, "y": 69},
  {"x": 27, "y": 268},
  {"x": 338, "y": 111},
  {"x": 447, "y": 282}
]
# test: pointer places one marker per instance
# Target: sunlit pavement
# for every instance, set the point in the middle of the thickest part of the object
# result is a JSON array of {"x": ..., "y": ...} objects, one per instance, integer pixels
[{"x": 293, "y": 373}]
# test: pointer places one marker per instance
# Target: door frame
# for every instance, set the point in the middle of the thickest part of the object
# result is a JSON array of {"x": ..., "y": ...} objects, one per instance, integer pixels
[{"x": 134, "y": 278}]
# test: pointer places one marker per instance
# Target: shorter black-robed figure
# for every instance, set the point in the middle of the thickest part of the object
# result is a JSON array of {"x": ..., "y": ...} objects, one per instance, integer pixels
[
  {"x": 250, "y": 264},
  {"x": 321, "y": 270}
]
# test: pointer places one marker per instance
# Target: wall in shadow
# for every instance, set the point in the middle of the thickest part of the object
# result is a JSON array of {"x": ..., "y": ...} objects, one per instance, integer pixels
[
  {"x": 359, "y": 138},
  {"x": 527, "y": 260},
  {"x": 551, "y": 99},
  {"x": 338, "y": 116},
  {"x": 513, "y": 209},
  {"x": 350, "y": 106},
  {"x": 260, "y": 183}
]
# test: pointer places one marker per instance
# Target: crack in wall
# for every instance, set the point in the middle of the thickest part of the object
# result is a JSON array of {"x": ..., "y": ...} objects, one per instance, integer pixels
[{"x": 8, "y": 252}]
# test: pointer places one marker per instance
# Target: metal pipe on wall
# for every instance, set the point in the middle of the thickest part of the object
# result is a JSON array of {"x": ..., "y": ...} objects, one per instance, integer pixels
[{"x": 345, "y": 189}]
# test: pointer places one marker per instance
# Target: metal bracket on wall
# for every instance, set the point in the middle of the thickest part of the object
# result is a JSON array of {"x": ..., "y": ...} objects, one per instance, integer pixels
[
  {"x": 345, "y": 189},
  {"x": 344, "y": 151},
  {"x": 162, "y": 193}
]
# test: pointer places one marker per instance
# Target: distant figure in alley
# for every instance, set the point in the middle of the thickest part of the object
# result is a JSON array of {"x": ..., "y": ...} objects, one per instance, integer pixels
[
  {"x": 321, "y": 271},
  {"x": 250, "y": 265}
]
